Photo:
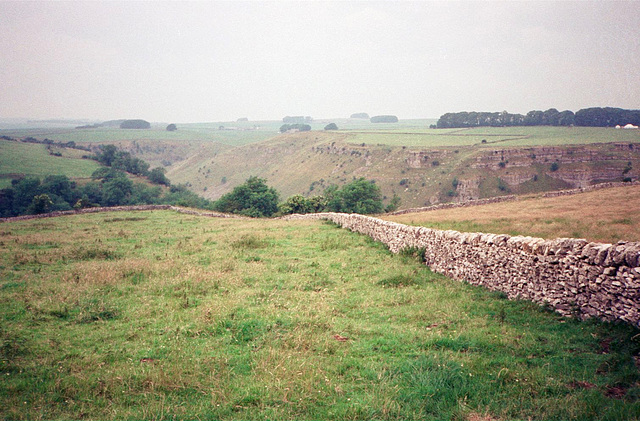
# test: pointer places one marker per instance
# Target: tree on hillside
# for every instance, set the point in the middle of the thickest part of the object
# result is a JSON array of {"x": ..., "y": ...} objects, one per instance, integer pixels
[
  {"x": 157, "y": 176},
  {"x": 331, "y": 126},
  {"x": 253, "y": 198},
  {"x": 172, "y": 127}
]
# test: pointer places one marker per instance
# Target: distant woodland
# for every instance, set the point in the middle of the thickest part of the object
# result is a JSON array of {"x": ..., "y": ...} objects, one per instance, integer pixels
[{"x": 591, "y": 117}]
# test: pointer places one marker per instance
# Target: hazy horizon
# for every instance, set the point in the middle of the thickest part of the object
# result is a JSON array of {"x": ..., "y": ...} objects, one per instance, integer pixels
[{"x": 189, "y": 62}]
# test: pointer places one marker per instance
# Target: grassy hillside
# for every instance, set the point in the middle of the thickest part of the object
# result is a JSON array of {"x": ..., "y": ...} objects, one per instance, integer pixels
[
  {"x": 29, "y": 159},
  {"x": 607, "y": 215},
  {"x": 157, "y": 315}
]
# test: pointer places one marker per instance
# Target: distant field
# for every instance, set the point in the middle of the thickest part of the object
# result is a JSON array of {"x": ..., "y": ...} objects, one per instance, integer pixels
[
  {"x": 157, "y": 315},
  {"x": 232, "y": 133},
  {"x": 112, "y": 135},
  {"x": 498, "y": 137},
  {"x": 607, "y": 215},
  {"x": 428, "y": 138},
  {"x": 34, "y": 160}
]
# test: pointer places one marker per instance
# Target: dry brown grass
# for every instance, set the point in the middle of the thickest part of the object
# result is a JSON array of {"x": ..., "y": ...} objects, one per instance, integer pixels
[{"x": 607, "y": 215}]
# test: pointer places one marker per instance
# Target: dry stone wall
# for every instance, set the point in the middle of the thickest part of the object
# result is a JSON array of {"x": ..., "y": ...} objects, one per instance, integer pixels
[
  {"x": 120, "y": 209},
  {"x": 575, "y": 277}
]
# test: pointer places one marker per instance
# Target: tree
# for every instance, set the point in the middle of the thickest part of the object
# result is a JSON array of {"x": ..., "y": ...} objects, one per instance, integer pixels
[
  {"x": 106, "y": 154},
  {"x": 172, "y": 127},
  {"x": 117, "y": 191},
  {"x": 359, "y": 196},
  {"x": 331, "y": 126},
  {"x": 299, "y": 127},
  {"x": 394, "y": 204},
  {"x": 40, "y": 204},
  {"x": 360, "y": 115},
  {"x": 253, "y": 198},
  {"x": 135, "y": 124},
  {"x": 384, "y": 119},
  {"x": 157, "y": 176}
]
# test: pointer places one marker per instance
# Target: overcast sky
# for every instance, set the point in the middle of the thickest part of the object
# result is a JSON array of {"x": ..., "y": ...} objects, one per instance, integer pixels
[{"x": 217, "y": 61}]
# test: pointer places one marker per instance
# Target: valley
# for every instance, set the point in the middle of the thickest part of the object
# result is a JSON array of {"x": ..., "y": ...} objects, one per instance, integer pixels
[{"x": 420, "y": 165}]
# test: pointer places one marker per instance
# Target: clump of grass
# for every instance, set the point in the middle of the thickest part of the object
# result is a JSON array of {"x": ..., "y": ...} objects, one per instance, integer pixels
[
  {"x": 128, "y": 219},
  {"x": 397, "y": 281},
  {"x": 95, "y": 253},
  {"x": 249, "y": 241},
  {"x": 414, "y": 252}
]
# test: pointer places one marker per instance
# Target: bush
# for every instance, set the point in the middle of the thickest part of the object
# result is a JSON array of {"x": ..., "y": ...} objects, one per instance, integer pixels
[
  {"x": 172, "y": 127},
  {"x": 331, "y": 126},
  {"x": 253, "y": 198},
  {"x": 554, "y": 167},
  {"x": 302, "y": 205}
]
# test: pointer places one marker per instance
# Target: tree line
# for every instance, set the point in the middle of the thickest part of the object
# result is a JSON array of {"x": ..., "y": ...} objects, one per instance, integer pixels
[
  {"x": 592, "y": 117},
  {"x": 256, "y": 199}
]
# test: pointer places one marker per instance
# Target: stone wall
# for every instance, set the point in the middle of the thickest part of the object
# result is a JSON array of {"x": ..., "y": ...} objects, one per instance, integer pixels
[
  {"x": 450, "y": 205},
  {"x": 120, "y": 209},
  {"x": 575, "y": 277}
]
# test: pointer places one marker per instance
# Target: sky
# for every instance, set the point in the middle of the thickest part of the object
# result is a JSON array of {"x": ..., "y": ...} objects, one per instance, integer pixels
[{"x": 209, "y": 61}]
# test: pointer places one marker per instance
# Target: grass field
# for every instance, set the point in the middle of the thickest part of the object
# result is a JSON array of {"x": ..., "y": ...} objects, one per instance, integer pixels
[
  {"x": 34, "y": 160},
  {"x": 200, "y": 132},
  {"x": 157, "y": 315},
  {"x": 497, "y": 136},
  {"x": 607, "y": 215}
]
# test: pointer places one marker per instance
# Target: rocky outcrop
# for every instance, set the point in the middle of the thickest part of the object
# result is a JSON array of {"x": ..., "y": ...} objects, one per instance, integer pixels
[
  {"x": 573, "y": 276},
  {"x": 525, "y": 157},
  {"x": 425, "y": 159}
]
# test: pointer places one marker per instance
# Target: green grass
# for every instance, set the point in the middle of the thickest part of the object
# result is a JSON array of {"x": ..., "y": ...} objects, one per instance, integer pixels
[
  {"x": 168, "y": 316},
  {"x": 34, "y": 160}
]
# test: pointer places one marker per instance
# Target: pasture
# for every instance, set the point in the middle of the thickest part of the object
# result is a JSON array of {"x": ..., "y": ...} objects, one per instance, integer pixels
[
  {"x": 608, "y": 215},
  {"x": 500, "y": 137},
  {"x": 158, "y": 315},
  {"x": 29, "y": 159}
]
